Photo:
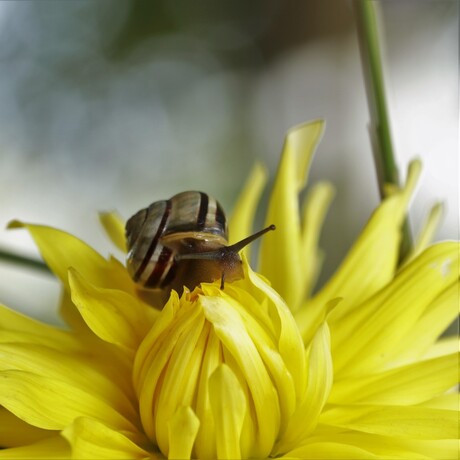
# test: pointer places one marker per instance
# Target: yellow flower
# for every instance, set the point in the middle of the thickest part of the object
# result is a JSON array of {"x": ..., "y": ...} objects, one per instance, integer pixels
[{"x": 259, "y": 369}]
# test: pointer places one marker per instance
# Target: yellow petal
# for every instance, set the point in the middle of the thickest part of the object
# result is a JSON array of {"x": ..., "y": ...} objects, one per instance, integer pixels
[
  {"x": 398, "y": 421},
  {"x": 320, "y": 375},
  {"x": 281, "y": 259},
  {"x": 15, "y": 432},
  {"x": 438, "y": 315},
  {"x": 396, "y": 386},
  {"x": 179, "y": 381},
  {"x": 316, "y": 206},
  {"x": 93, "y": 439},
  {"x": 427, "y": 233},
  {"x": 113, "y": 315},
  {"x": 444, "y": 346},
  {"x": 385, "y": 447},
  {"x": 75, "y": 370},
  {"x": 289, "y": 340},
  {"x": 115, "y": 227},
  {"x": 242, "y": 218},
  {"x": 231, "y": 331},
  {"x": 228, "y": 405},
  {"x": 52, "y": 404},
  {"x": 366, "y": 267},
  {"x": 330, "y": 451},
  {"x": 182, "y": 428},
  {"x": 368, "y": 337},
  {"x": 60, "y": 250},
  {"x": 48, "y": 449},
  {"x": 17, "y": 327}
]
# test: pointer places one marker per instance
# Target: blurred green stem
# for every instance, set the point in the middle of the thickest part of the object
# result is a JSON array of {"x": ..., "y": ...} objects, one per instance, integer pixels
[
  {"x": 371, "y": 56},
  {"x": 10, "y": 257}
]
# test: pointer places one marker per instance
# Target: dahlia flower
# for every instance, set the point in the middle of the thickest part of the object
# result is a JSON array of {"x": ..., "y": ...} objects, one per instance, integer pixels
[{"x": 265, "y": 367}]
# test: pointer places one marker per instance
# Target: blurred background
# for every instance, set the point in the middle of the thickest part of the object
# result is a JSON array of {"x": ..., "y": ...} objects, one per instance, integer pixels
[{"x": 110, "y": 105}]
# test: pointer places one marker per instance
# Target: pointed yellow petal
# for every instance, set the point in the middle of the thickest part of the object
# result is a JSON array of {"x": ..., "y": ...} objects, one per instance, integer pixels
[
  {"x": 28, "y": 330},
  {"x": 316, "y": 206},
  {"x": 113, "y": 315},
  {"x": 115, "y": 227},
  {"x": 428, "y": 231},
  {"x": 228, "y": 405},
  {"x": 48, "y": 449},
  {"x": 399, "y": 421},
  {"x": 281, "y": 259},
  {"x": 366, "y": 267},
  {"x": 242, "y": 218},
  {"x": 368, "y": 337},
  {"x": 15, "y": 432},
  {"x": 93, "y": 439},
  {"x": 396, "y": 386},
  {"x": 60, "y": 250},
  {"x": 444, "y": 346},
  {"x": 182, "y": 428},
  {"x": 52, "y": 404}
]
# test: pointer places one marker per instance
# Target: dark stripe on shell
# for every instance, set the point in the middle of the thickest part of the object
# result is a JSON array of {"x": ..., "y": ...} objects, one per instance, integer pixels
[
  {"x": 153, "y": 244},
  {"x": 203, "y": 212},
  {"x": 159, "y": 268},
  {"x": 220, "y": 218}
]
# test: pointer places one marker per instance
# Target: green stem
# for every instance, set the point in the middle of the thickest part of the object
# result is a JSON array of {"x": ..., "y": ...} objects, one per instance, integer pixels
[
  {"x": 10, "y": 257},
  {"x": 387, "y": 171}
]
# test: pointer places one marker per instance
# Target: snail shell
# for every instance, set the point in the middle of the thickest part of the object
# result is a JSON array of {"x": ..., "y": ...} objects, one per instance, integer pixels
[{"x": 182, "y": 241}]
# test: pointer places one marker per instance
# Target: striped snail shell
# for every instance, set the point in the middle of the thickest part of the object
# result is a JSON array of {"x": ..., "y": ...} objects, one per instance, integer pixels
[{"x": 182, "y": 241}]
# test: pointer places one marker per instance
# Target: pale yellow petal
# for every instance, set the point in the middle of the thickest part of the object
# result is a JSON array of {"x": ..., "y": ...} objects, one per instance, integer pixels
[
  {"x": 430, "y": 378},
  {"x": 115, "y": 227},
  {"x": 182, "y": 428},
  {"x": 444, "y": 346},
  {"x": 15, "y": 432},
  {"x": 412, "y": 422},
  {"x": 439, "y": 314},
  {"x": 92, "y": 439},
  {"x": 242, "y": 218},
  {"x": 369, "y": 336},
  {"x": 52, "y": 404},
  {"x": 314, "y": 212},
  {"x": 113, "y": 315},
  {"x": 47, "y": 449},
  {"x": 427, "y": 233},
  {"x": 449, "y": 401},
  {"x": 331, "y": 451},
  {"x": 281, "y": 259},
  {"x": 385, "y": 447},
  {"x": 367, "y": 267},
  {"x": 228, "y": 405}
]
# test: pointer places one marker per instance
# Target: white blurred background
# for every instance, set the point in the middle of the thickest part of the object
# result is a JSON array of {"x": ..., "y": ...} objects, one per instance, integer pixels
[{"x": 112, "y": 105}]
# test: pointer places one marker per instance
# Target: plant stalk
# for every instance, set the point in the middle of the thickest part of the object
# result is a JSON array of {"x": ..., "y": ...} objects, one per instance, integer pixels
[{"x": 380, "y": 128}]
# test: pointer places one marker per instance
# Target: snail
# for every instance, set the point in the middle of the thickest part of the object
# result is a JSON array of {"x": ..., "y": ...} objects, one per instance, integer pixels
[{"x": 183, "y": 241}]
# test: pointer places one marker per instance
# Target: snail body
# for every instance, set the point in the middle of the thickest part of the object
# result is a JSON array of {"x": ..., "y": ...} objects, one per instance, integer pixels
[{"x": 182, "y": 241}]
